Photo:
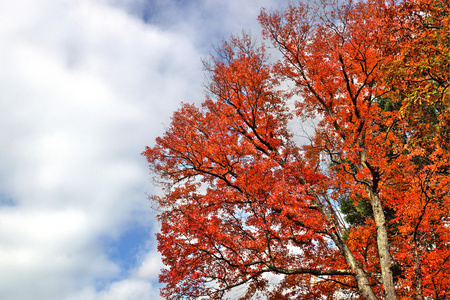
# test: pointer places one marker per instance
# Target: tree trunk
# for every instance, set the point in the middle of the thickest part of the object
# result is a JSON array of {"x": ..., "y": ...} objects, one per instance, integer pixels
[
  {"x": 383, "y": 245},
  {"x": 361, "y": 277}
]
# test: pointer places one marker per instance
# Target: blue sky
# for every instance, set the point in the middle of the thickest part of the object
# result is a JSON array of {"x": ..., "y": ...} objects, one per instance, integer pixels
[{"x": 85, "y": 85}]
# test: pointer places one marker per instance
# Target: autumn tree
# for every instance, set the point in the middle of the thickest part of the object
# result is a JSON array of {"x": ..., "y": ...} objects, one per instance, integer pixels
[{"x": 362, "y": 210}]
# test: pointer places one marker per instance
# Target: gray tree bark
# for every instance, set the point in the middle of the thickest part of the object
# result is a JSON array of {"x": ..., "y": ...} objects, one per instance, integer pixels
[{"x": 386, "y": 261}]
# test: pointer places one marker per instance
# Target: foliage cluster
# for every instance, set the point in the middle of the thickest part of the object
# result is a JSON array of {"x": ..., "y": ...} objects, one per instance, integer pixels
[{"x": 363, "y": 210}]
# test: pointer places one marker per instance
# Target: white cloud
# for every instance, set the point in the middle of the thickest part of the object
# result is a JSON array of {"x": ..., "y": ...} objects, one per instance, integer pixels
[
  {"x": 129, "y": 289},
  {"x": 84, "y": 86},
  {"x": 46, "y": 253},
  {"x": 150, "y": 266}
]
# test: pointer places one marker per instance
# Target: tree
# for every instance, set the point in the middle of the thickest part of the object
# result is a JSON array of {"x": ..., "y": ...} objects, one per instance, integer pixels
[{"x": 362, "y": 210}]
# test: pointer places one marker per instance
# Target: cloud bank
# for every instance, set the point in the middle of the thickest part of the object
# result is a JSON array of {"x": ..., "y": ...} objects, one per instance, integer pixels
[{"x": 84, "y": 86}]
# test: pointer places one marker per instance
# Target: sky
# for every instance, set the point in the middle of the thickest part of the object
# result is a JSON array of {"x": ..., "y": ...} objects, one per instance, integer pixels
[{"x": 85, "y": 85}]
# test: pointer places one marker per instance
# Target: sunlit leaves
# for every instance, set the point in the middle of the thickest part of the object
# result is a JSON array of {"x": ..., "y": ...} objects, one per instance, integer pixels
[{"x": 363, "y": 209}]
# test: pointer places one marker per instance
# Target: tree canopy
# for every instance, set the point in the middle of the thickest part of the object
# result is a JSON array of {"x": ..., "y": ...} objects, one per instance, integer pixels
[{"x": 362, "y": 209}]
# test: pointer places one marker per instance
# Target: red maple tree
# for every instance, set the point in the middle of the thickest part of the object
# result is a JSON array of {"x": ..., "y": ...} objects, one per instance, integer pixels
[{"x": 360, "y": 211}]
